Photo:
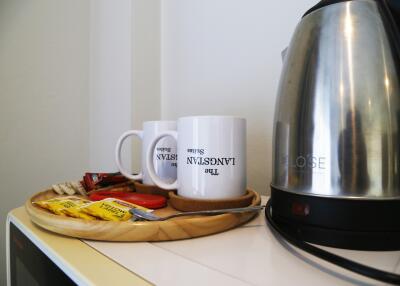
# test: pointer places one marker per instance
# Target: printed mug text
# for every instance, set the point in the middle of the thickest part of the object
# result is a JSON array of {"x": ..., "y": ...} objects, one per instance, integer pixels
[
  {"x": 210, "y": 161},
  {"x": 166, "y": 155}
]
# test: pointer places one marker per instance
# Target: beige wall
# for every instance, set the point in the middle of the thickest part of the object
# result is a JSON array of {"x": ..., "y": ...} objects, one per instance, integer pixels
[
  {"x": 43, "y": 98},
  {"x": 146, "y": 82},
  {"x": 224, "y": 57}
]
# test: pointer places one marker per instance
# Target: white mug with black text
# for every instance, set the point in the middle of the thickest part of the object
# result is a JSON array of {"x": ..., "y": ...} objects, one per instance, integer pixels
[
  {"x": 164, "y": 157},
  {"x": 211, "y": 157}
]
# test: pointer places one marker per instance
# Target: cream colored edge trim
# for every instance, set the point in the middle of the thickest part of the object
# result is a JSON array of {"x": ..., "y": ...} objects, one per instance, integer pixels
[
  {"x": 66, "y": 267},
  {"x": 8, "y": 251}
]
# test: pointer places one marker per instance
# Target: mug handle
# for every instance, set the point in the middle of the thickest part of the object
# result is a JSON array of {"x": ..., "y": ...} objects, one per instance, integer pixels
[
  {"x": 118, "y": 147},
  {"x": 150, "y": 163}
]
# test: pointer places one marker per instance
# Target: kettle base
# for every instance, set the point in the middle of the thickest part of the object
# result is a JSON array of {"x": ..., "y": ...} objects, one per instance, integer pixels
[{"x": 358, "y": 224}]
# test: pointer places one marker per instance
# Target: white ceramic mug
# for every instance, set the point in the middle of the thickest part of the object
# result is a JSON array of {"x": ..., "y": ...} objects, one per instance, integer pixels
[
  {"x": 211, "y": 157},
  {"x": 163, "y": 159}
]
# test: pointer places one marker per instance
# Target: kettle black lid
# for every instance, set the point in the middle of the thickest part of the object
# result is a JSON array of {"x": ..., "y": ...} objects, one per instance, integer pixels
[{"x": 323, "y": 3}]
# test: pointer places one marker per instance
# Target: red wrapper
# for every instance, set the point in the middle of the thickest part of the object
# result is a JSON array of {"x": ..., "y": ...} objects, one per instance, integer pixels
[{"x": 93, "y": 181}]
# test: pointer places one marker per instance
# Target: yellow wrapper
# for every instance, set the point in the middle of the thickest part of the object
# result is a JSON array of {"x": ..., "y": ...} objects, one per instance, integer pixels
[
  {"x": 59, "y": 205},
  {"x": 78, "y": 213},
  {"x": 111, "y": 209},
  {"x": 44, "y": 204}
]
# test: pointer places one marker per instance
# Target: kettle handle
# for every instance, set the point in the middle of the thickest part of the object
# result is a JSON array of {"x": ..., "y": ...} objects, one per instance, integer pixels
[{"x": 390, "y": 12}]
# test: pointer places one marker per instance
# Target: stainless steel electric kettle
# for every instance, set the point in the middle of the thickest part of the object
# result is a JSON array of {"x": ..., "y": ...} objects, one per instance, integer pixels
[{"x": 336, "y": 168}]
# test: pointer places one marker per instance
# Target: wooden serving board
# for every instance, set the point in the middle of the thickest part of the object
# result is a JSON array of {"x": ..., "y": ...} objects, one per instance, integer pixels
[{"x": 173, "y": 229}]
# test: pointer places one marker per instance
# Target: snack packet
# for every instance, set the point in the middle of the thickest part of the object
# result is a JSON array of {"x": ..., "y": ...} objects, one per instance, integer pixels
[
  {"x": 60, "y": 204},
  {"x": 111, "y": 209},
  {"x": 77, "y": 212},
  {"x": 92, "y": 181},
  {"x": 69, "y": 188}
]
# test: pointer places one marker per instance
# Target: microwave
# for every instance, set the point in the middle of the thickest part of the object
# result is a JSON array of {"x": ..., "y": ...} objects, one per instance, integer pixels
[{"x": 27, "y": 264}]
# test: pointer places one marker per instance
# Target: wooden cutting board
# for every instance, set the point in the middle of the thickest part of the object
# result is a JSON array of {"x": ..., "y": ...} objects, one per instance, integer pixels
[{"x": 173, "y": 229}]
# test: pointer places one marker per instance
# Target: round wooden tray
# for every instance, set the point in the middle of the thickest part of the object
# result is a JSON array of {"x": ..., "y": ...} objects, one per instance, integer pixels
[{"x": 173, "y": 229}]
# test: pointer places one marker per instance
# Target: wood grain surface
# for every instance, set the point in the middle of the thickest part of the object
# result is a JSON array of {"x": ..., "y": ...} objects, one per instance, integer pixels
[
  {"x": 192, "y": 205},
  {"x": 173, "y": 229}
]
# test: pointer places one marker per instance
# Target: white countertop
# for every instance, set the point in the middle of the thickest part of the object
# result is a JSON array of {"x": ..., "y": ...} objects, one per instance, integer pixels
[{"x": 248, "y": 255}]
